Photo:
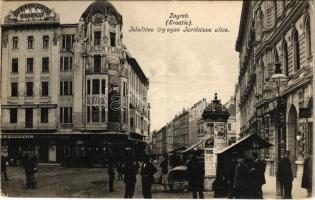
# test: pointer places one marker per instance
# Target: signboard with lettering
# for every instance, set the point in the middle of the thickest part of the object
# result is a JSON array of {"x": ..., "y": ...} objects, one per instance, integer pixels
[
  {"x": 210, "y": 164},
  {"x": 32, "y": 12}
]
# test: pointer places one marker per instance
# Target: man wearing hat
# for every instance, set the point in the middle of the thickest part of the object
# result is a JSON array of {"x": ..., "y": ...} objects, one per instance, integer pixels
[{"x": 285, "y": 176}]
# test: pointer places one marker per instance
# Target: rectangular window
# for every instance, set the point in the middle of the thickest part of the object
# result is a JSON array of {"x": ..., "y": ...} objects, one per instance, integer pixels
[
  {"x": 68, "y": 42},
  {"x": 112, "y": 39},
  {"x": 95, "y": 114},
  {"x": 44, "y": 115},
  {"x": 30, "y": 42},
  {"x": 14, "y": 89},
  {"x": 45, "y": 64},
  {"x": 61, "y": 88},
  {"x": 66, "y": 64},
  {"x": 13, "y": 115},
  {"x": 61, "y": 115},
  {"x": 66, "y": 88},
  {"x": 15, "y": 42},
  {"x": 29, "y": 88},
  {"x": 131, "y": 122},
  {"x": 45, "y": 42},
  {"x": 29, "y": 67},
  {"x": 61, "y": 63},
  {"x": 70, "y": 63},
  {"x": 45, "y": 88},
  {"x": 97, "y": 37},
  {"x": 95, "y": 86},
  {"x": 88, "y": 87},
  {"x": 229, "y": 126},
  {"x": 63, "y": 41},
  {"x": 88, "y": 119},
  {"x": 15, "y": 65},
  {"x": 103, "y": 86},
  {"x": 103, "y": 115},
  {"x": 29, "y": 117},
  {"x": 97, "y": 63},
  {"x": 66, "y": 115}
]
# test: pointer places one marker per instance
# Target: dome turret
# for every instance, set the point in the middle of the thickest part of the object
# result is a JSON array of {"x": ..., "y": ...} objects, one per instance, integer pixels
[
  {"x": 102, "y": 7},
  {"x": 215, "y": 111}
]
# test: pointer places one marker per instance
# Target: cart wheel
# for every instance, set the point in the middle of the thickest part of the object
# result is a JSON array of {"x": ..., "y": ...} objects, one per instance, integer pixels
[{"x": 171, "y": 186}]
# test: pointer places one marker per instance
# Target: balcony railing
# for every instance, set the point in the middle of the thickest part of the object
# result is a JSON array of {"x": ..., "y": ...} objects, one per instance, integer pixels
[{"x": 28, "y": 126}]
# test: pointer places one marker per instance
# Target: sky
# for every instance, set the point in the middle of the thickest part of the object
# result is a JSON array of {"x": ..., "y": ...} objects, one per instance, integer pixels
[{"x": 182, "y": 67}]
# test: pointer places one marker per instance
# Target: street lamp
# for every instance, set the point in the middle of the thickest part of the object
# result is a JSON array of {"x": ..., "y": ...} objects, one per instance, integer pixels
[{"x": 278, "y": 77}]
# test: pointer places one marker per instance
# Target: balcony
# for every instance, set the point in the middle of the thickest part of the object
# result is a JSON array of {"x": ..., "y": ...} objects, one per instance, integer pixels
[
  {"x": 96, "y": 126},
  {"x": 28, "y": 126},
  {"x": 44, "y": 99},
  {"x": 92, "y": 70}
]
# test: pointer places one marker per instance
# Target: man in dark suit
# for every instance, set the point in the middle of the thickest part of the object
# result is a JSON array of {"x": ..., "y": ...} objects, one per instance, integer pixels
[
  {"x": 285, "y": 176},
  {"x": 4, "y": 167},
  {"x": 147, "y": 177},
  {"x": 257, "y": 176},
  {"x": 308, "y": 175},
  {"x": 130, "y": 171},
  {"x": 229, "y": 174},
  {"x": 196, "y": 173}
]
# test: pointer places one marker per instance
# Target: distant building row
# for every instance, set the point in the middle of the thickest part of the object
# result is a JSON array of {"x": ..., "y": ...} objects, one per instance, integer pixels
[{"x": 187, "y": 128}]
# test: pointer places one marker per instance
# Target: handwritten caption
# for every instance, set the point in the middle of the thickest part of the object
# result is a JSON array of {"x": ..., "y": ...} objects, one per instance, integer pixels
[{"x": 176, "y": 23}]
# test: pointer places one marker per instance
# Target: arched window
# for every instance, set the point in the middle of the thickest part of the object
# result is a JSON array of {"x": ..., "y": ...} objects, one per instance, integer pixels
[
  {"x": 308, "y": 36},
  {"x": 261, "y": 21},
  {"x": 296, "y": 46},
  {"x": 285, "y": 58},
  {"x": 276, "y": 59},
  {"x": 274, "y": 7}
]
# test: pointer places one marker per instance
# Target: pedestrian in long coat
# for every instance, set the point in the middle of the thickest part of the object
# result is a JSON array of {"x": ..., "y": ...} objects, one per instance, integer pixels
[
  {"x": 229, "y": 174},
  {"x": 30, "y": 166},
  {"x": 130, "y": 171},
  {"x": 196, "y": 176},
  {"x": 285, "y": 176},
  {"x": 4, "y": 167},
  {"x": 147, "y": 177},
  {"x": 257, "y": 176},
  {"x": 241, "y": 179},
  {"x": 307, "y": 175},
  {"x": 111, "y": 177}
]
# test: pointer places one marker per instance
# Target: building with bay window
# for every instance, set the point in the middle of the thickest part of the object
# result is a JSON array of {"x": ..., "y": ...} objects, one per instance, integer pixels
[
  {"x": 71, "y": 93},
  {"x": 273, "y": 32}
]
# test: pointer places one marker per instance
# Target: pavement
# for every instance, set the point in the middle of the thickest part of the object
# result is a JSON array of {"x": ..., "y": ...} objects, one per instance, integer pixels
[{"x": 63, "y": 182}]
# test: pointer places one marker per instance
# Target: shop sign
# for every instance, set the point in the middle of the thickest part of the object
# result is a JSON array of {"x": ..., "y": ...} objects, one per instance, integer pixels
[
  {"x": 17, "y": 136},
  {"x": 33, "y": 11}
]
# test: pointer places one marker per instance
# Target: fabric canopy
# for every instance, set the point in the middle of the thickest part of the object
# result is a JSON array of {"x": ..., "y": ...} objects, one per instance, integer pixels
[
  {"x": 177, "y": 150},
  {"x": 249, "y": 142},
  {"x": 196, "y": 144}
]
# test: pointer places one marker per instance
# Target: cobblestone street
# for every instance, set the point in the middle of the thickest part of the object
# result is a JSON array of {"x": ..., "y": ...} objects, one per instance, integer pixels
[
  {"x": 93, "y": 183},
  {"x": 76, "y": 183}
]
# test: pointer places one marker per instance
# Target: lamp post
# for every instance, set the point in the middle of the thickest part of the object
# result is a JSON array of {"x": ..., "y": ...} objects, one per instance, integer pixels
[{"x": 278, "y": 77}]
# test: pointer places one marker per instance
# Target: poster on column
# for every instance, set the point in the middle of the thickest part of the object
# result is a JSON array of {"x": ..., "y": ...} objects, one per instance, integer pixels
[
  {"x": 220, "y": 141},
  {"x": 210, "y": 164}
]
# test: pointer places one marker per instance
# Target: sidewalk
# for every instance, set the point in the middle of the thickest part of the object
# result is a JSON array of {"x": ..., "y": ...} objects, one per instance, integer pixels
[{"x": 269, "y": 189}]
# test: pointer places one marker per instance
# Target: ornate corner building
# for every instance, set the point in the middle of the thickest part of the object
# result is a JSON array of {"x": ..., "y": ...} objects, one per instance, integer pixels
[
  {"x": 277, "y": 32},
  {"x": 71, "y": 93}
]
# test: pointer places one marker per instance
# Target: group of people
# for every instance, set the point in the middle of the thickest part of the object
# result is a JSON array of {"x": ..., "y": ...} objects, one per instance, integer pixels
[
  {"x": 129, "y": 171},
  {"x": 244, "y": 177},
  {"x": 30, "y": 168}
]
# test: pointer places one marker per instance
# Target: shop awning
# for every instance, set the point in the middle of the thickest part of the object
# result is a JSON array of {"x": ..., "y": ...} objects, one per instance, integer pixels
[
  {"x": 178, "y": 150},
  {"x": 197, "y": 144},
  {"x": 249, "y": 142}
]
